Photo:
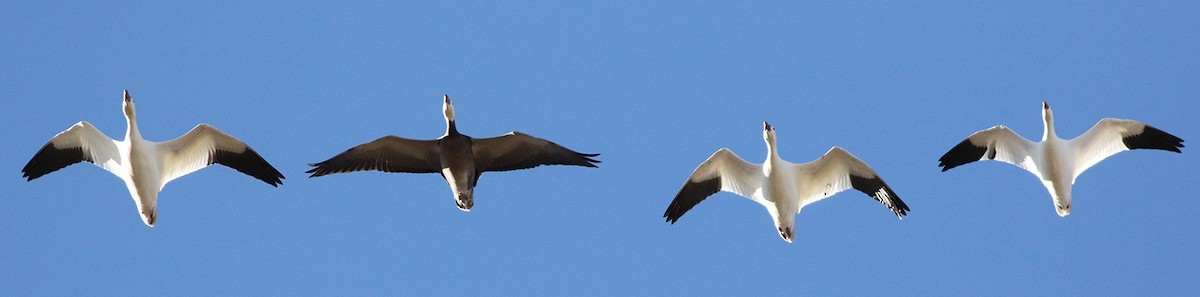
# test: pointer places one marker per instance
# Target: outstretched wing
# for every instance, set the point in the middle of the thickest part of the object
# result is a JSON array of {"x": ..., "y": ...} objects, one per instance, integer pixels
[
  {"x": 517, "y": 150},
  {"x": 204, "y": 145},
  {"x": 839, "y": 170},
  {"x": 1111, "y": 136},
  {"x": 996, "y": 143},
  {"x": 723, "y": 171},
  {"x": 387, "y": 154},
  {"x": 82, "y": 142}
]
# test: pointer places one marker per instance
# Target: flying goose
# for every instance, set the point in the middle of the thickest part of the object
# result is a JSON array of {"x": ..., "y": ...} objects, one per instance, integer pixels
[
  {"x": 781, "y": 186},
  {"x": 459, "y": 158},
  {"x": 1056, "y": 161},
  {"x": 147, "y": 166}
]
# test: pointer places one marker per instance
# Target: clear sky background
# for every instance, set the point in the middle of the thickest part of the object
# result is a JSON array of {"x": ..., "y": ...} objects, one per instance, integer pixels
[{"x": 655, "y": 87}]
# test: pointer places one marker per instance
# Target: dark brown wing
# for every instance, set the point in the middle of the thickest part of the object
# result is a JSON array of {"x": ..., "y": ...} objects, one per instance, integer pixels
[
  {"x": 517, "y": 150},
  {"x": 387, "y": 154}
]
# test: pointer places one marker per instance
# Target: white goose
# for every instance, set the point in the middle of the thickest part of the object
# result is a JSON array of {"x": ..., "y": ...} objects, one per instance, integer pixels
[
  {"x": 781, "y": 186},
  {"x": 147, "y": 166},
  {"x": 1056, "y": 161}
]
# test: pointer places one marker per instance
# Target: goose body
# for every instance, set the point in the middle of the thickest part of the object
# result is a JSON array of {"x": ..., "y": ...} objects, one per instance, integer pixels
[
  {"x": 459, "y": 158},
  {"x": 147, "y": 166},
  {"x": 784, "y": 188},
  {"x": 1055, "y": 161}
]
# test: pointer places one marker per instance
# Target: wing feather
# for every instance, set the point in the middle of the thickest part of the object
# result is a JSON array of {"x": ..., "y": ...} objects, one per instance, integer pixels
[
  {"x": 517, "y": 150},
  {"x": 204, "y": 145},
  {"x": 82, "y": 142},
  {"x": 837, "y": 171},
  {"x": 387, "y": 154},
  {"x": 1111, "y": 136},
  {"x": 996, "y": 143},
  {"x": 723, "y": 171}
]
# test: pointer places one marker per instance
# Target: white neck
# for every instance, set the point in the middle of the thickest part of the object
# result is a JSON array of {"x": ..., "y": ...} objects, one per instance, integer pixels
[
  {"x": 448, "y": 112},
  {"x": 772, "y": 150},
  {"x": 131, "y": 129},
  {"x": 1048, "y": 126}
]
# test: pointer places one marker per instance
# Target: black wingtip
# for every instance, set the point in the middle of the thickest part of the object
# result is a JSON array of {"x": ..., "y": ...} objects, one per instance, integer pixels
[
  {"x": 1153, "y": 138},
  {"x": 872, "y": 186},
  {"x": 591, "y": 158},
  {"x": 963, "y": 153},
  {"x": 315, "y": 172},
  {"x": 691, "y": 194},
  {"x": 50, "y": 159},
  {"x": 588, "y": 160},
  {"x": 669, "y": 220},
  {"x": 249, "y": 163}
]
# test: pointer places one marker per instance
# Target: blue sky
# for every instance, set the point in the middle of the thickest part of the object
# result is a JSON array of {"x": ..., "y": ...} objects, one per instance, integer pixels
[{"x": 655, "y": 87}]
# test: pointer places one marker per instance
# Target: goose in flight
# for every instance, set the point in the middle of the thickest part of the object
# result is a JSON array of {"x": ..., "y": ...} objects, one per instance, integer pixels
[
  {"x": 781, "y": 186},
  {"x": 459, "y": 158},
  {"x": 1056, "y": 161},
  {"x": 147, "y": 166}
]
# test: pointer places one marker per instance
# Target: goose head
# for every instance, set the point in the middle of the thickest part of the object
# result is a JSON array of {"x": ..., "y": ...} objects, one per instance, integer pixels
[
  {"x": 128, "y": 106},
  {"x": 1047, "y": 121},
  {"x": 1047, "y": 113},
  {"x": 448, "y": 112},
  {"x": 448, "y": 108},
  {"x": 768, "y": 133}
]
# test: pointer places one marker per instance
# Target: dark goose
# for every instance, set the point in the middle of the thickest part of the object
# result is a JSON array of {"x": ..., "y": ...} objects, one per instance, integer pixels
[{"x": 459, "y": 158}]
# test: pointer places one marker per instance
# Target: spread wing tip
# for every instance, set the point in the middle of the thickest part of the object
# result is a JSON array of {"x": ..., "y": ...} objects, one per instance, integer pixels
[
  {"x": 316, "y": 170},
  {"x": 1153, "y": 138},
  {"x": 963, "y": 153},
  {"x": 880, "y": 191},
  {"x": 50, "y": 159},
  {"x": 248, "y": 162},
  {"x": 673, "y": 212},
  {"x": 691, "y": 194},
  {"x": 319, "y": 169},
  {"x": 590, "y": 160}
]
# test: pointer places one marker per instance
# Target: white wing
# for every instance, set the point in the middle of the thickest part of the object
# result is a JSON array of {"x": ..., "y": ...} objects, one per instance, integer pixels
[
  {"x": 996, "y": 143},
  {"x": 81, "y": 142},
  {"x": 205, "y": 145},
  {"x": 1111, "y": 136},
  {"x": 723, "y": 171},
  {"x": 837, "y": 171}
]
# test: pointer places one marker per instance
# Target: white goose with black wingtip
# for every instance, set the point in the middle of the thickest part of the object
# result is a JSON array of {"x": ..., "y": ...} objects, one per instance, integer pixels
[
  {"x": 1055, "y": 161},
  {"x": 784, "y": 188},
  {"x": 147, "y": 166},
  {"x": 460, "y": 159}
]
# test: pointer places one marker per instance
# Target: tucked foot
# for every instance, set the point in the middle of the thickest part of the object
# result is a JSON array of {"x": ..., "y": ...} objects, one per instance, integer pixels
[
  {"x": 1063, "y": 210},
  {"x": 464, "y": 202},
  {"x": 787, "y": 233}
]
